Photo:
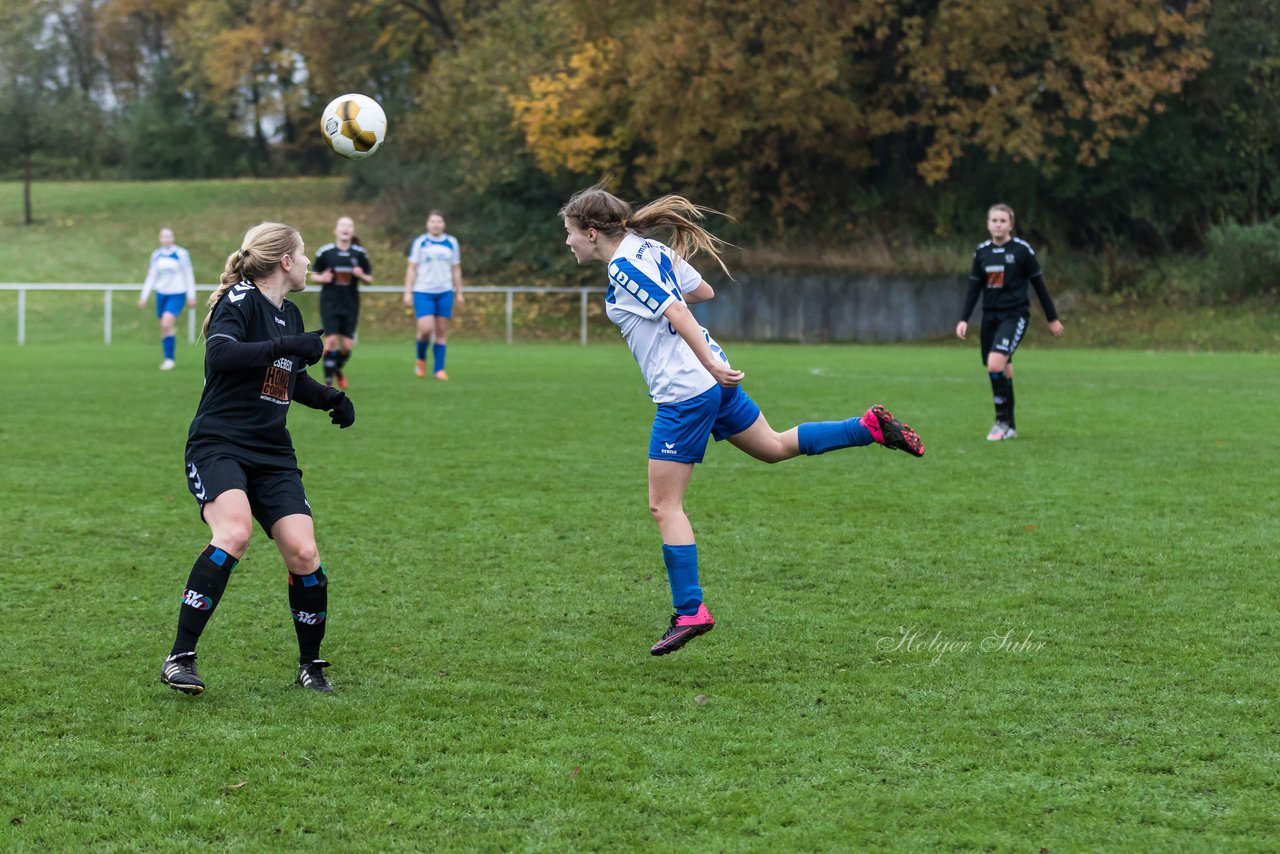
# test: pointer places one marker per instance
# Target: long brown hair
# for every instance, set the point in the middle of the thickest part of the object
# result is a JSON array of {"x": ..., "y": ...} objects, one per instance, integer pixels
[
  {"x": 595, "y": 207},
  {"x": 259, "y": 253}
]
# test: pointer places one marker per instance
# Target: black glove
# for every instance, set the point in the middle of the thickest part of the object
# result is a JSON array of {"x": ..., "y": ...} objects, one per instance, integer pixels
[
  {"x": 308, "y": 346},
  {"x": 342, "y": 411}
]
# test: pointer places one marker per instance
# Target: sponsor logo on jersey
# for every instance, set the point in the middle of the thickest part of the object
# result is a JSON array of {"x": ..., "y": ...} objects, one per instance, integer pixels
[
  {"x": 307, "y": 618},
  {"x": 279, "y": 320},
  {"x": 275, "y": 386},
  {"x": 197, "y": 600}
]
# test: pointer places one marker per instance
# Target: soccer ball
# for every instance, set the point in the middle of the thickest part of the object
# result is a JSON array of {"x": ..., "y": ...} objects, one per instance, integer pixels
[{"x": 354, "y": 126}]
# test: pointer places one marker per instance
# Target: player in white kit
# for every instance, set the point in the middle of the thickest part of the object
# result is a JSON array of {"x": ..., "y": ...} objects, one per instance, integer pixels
[
  {"x": 697, "y": 391},
  {"x": 170, "y": 275},
  {"x": 432, "y": 284}
]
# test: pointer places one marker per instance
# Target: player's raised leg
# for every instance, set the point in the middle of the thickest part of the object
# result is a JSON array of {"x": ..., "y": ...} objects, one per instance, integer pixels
[{"x": 875, "y": 426}]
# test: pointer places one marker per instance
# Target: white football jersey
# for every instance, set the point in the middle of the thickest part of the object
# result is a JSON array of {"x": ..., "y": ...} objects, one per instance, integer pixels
[
  {"x": 170, "y": 273},
  {"x": 645, "y": 278},
  {"x": 435, "y": 257}
]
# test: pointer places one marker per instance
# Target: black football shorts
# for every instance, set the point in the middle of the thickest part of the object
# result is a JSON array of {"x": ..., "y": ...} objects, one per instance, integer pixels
[
  {"x": 1001, "y": 333},
  {"x": 273, "y": 492}
]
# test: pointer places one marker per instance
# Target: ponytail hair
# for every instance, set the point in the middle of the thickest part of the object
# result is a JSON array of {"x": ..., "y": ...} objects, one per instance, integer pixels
[
  {"x": 595, "y": 207},
  {"x": 259, "y": 254}
]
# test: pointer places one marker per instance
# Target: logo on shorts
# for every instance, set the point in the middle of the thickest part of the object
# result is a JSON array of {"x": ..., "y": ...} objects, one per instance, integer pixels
[
  {"x": 307, "y": 618},
  {"x": 670, "y": 448},
  {"x": 197, "y": 600},
  {"x": 196, "y": 486}
]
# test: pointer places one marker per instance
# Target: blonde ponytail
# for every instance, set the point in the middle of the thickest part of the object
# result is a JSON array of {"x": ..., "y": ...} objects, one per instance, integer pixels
[
  {"x": 259, "y": 253},
  {"x": 595, "y": 207}
]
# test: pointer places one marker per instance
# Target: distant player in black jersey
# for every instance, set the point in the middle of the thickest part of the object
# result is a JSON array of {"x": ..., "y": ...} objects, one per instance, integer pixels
[
  {"x": 240, "y": 460},
  {"x": 340, "y": 266},
  {"x": 1002, "y": 268}
]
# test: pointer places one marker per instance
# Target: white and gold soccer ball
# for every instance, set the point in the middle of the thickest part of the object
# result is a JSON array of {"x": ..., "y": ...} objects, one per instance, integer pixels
[{"x": 354, "y": 126}]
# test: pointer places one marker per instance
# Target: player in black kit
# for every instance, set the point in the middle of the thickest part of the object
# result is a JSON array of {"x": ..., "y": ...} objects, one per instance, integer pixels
[
  {"x": 340, "y": 266},
  {"x": 1002, "y": 268},
  {"x": 240, "y": 460}
]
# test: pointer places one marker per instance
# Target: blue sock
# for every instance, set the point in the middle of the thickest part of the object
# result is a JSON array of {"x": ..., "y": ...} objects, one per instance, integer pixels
[
  {"x": 818, "y": 437},
  {"x": 167, "y": 342},
  {"x": 422, "y": 351},
  {"x": 437, "y": 353},
  {"x": 682, "y": 575}
]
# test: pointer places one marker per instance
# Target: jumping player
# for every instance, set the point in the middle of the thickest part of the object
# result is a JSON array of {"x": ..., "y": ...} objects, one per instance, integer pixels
[
  {"x": 697, "y": 392},
  {"x": 1002, "y": 268},
  {"x": 432, "y": 283},
  {"x": 171, "y": 276},
  {"x": 240, "y": 460},
  {"x": 340, "y": 266}
]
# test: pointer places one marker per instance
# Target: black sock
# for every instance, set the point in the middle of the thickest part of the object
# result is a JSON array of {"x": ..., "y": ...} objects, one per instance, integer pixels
[
  {"x": 204, "y": 588},
  {"x": 309, "y": 599},
  {"x": 1002, "y": 396},
  {"x": 343, "y": 355},
  {"x": 330, "y": 363},
  {"x": 1012, "y": 424}
]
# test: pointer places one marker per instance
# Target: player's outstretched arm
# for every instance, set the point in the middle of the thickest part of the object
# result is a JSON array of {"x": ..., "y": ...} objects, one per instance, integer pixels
[
  {"x": 314, "y": 395},
  {"x": 226, "y": 354}
]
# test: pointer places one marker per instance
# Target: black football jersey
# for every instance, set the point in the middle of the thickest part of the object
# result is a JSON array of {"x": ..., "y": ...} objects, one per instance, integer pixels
[
  {"x": 1003, "y": 273},
  {"x": 244, "y": 410},
  {"x": 342, "y": 262}
]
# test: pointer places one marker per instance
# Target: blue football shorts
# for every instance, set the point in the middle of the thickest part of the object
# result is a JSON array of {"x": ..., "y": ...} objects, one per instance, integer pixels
[
  {"x": 428, "y": 305},
  {"x": 170, "y": 303},
  {"x": 680, "y": 430}
]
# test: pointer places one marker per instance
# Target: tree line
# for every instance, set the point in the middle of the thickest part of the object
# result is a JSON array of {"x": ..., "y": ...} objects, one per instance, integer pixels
[{"x": 1131, "y": 123}]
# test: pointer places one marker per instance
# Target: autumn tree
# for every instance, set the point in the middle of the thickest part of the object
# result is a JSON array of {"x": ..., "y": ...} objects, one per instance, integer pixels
[{"x": 776, "y": 103}]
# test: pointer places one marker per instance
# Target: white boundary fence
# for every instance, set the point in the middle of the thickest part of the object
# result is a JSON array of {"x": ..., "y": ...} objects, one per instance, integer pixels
[{"x": 108, "y": 290}]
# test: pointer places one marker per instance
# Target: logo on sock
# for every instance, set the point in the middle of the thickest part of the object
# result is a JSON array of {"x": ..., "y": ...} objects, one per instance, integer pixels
[
  {"x": 197, "y": 600},
  {"x": 307, "y": 618}
]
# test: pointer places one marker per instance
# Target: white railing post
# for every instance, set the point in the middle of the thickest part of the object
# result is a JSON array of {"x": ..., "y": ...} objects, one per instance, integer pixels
[
  {"x": 510, "y": 306},
  {"x": 108, "y": 301}
]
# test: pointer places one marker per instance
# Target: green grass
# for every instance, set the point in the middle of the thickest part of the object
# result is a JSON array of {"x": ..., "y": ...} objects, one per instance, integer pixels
[
  {"x": 89, "y": 231},
  {"x": 496, "y": 583}
]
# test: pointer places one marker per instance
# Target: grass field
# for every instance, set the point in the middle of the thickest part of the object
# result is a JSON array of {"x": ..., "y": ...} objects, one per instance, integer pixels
[{"x": 496, "y": 583}]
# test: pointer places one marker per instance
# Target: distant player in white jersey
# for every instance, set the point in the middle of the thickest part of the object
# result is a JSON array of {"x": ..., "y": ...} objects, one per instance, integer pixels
[
  {"x": 171, "y": 277},
  {"x": 432, "y": 284},
  {"x": 697, "y": 391}
]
